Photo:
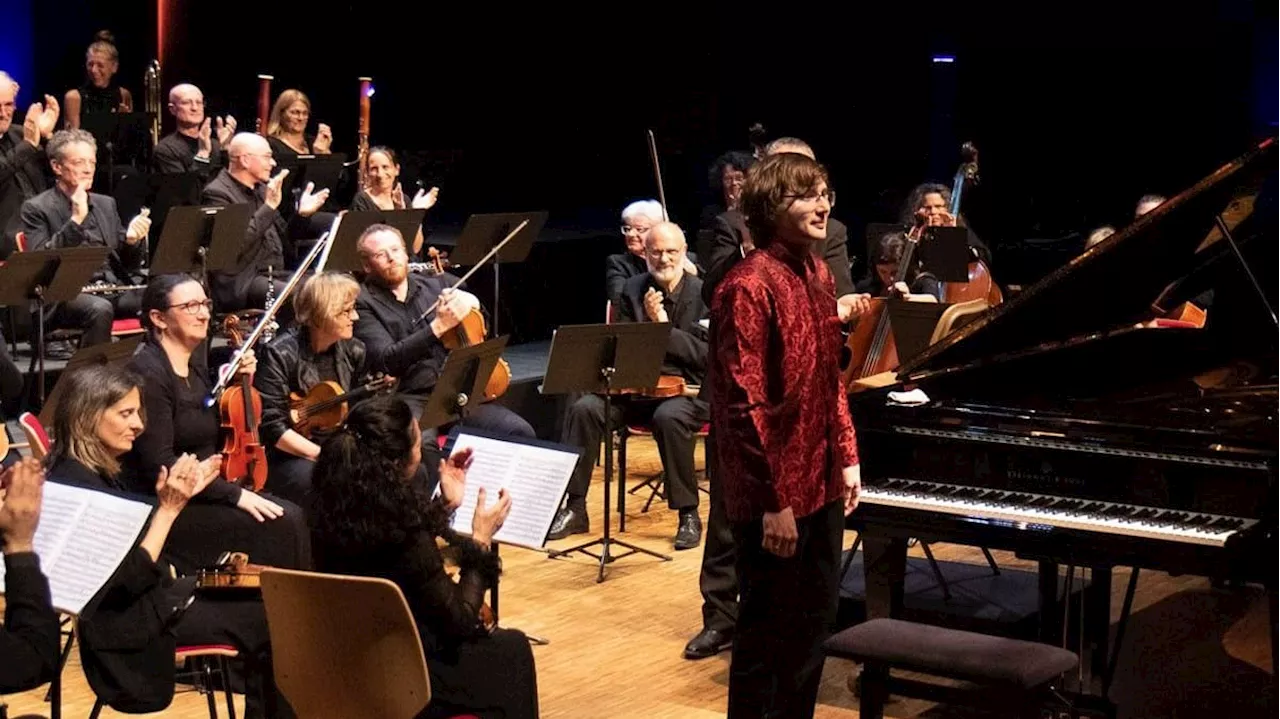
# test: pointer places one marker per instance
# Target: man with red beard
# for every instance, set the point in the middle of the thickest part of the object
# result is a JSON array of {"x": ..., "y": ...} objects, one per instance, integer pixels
[
  {"x": 786, "y": 449},
  {"x": 390, "y": 303}
]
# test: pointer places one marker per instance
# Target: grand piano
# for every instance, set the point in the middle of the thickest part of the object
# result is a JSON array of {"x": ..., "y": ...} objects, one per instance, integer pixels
[{"x": 1062, "y": 426}]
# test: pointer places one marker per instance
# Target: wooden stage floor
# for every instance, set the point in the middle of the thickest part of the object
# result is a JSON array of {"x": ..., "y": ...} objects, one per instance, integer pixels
[{"x": 616, "y": 647}]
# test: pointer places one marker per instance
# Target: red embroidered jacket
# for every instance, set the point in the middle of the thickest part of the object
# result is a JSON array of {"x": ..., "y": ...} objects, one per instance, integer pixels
[{"x": 778, "y": 407}]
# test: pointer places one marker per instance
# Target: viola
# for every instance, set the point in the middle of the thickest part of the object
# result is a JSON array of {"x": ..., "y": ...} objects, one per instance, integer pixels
[
  {"x": 244, "y": 460},
  {"x": 232, "y": 571},
  {"x": 325, "y": 405},
  {"x": 472, "y": 330}
]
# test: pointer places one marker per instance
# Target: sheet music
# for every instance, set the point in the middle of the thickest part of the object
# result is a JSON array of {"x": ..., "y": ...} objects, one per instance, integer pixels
[
  {"x": 534, "y": 476},
  {"x": 82, "y": 538}
]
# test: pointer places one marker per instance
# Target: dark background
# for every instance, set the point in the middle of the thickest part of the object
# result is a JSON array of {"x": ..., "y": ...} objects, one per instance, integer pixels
[{"x": 1078, "y": 109}]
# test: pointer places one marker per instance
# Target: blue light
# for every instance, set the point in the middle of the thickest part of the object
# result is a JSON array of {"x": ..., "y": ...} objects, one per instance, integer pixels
[
  {"x": 944, "y": 59},
  {"x": 369, "y": 92}
]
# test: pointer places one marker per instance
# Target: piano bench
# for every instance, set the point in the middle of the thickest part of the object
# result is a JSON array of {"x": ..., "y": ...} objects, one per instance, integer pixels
[{"x": 1019, "y": 672}]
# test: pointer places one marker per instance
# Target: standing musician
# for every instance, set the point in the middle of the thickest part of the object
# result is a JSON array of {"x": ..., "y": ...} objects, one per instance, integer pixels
[
  {"x": 718, "y": 580},
  {"x": 725, "y": 180},
  {"x": 30, "y": 636},
  {"x": 785, "y": 440},
  {"x": 664, "y": 294},
  {"x": 372, "y": 519},
  {"x": 637, "y": 219},
  {"x": 321, "y": 347},
  {"x": 127, "y": 645},
  {"x": 390, "y": 305},
  {"x": 175, "y": 386},
  {"x": 100, "y": 93},
  {"x": 68, "y": 215},
  {"x": 196, "y": 144},
  {"x": 247, "y": 179},
  {"x": 382, "y": 190},
  {"x": 287, "y": 126},
  {"x": 22, "y": 157}
]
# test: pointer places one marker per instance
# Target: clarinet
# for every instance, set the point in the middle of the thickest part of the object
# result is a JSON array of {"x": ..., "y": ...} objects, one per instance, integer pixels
[{"x": 269, "y": 331}]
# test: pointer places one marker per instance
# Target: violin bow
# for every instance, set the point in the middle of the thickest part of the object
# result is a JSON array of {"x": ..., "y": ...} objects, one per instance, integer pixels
[
  {"x": 657, "y": 174},
  {"x": 472, "y": 271}
]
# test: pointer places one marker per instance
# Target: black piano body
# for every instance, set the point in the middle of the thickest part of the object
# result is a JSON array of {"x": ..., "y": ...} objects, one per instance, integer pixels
[{"x": 1058, "y": 427}]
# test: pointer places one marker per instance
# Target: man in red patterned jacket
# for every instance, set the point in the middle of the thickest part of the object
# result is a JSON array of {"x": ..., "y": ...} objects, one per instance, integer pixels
[{"x": 786, "y": 450}]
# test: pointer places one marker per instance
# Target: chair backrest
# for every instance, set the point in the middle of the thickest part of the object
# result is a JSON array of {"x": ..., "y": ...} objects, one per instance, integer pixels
[
  {"x": 37, "y": 438},
  {"x": 344, "y": 646},
  {"x": 608, "y": 312},
  {"x": 20, "y": 241}
]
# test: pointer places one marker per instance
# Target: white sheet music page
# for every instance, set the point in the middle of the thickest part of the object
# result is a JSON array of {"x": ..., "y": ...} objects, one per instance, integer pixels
[
  {"x": 82, "y": 538},
  {"x": 534, "y": 476}
]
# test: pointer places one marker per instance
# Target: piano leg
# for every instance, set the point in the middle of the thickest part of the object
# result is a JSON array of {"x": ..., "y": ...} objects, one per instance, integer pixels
[
  {"x": 1050, "y": 609},
  {"x": 1098, "y": 623},
  {"x": 884, "y": 563}
]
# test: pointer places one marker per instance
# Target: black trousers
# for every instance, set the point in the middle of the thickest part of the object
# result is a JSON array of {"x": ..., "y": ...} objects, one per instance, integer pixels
[
  {"x": 93, "y": 315},
  {"x": 205, "y": 530},
  {"x": 719, "y": 578},
  {"x": 675, "y": 421},
  {"x": 289, "y": 477},
  {"x": 492, "y": 677},
  {"x": 788, "y": 608}
]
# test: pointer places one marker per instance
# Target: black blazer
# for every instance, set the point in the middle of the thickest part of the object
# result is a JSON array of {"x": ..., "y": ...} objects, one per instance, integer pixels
[
  {"x": 726, "y": 249},
  {"x": 623, "y": 266},
  {"x": 21, "y": 178},
  {"x": 687, "y": 345},
  {"x": 46, "y": 220}
]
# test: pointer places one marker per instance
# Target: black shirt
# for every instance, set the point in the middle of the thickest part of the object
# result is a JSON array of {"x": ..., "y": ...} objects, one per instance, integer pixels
[
  {"x": 396, "y": 342},
  {"x": 30, "y": 636},
  {"x": 178, "y": 422},
  {"x": 176, "y": 153}
]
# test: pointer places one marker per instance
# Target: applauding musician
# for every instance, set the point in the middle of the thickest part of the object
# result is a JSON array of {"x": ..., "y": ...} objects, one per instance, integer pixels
[
  {"x": 21, "y": 157},
  {"x": 287, "y": 127},
  {"x": 196, "y": 145},
  {"x": 382, "y": 190},
  {"x": 664, "y": 294}
]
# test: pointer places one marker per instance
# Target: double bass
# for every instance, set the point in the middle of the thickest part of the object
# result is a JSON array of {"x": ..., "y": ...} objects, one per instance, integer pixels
[{"x": 980, "y": 284}]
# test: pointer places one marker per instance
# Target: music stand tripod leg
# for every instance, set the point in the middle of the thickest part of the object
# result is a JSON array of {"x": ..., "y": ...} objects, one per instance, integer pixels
[{"x": 606, "y": 542}]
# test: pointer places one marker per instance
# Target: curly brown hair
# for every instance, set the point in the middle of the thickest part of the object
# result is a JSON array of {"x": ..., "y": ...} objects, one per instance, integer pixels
[{"x": 765, "y": 191}]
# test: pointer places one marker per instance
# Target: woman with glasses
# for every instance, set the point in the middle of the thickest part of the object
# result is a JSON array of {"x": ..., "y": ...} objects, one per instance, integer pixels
[
  {"x": 321, "y": 347},
  {"x": 175, "y": 390},
  {"x": 382, "y": 190},
  {"x": 637, "y": 219},
  {"x": 287, "y": 126}
]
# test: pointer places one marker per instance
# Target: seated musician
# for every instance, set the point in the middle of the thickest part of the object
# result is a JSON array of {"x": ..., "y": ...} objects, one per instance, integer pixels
[
  {"x": 725, "y": 180},
  {"x": 22, "y": 157},
  {"x": 319, "y": 348},
  {"x": 918, "y": 285},
  {"x": 126, "y": 648},
  {"x": 929, "y": 205},
  {"x": 731, "y": 241},
  {"x": 248, "y": 179},
  {"x": 100, "y": 93},
  {"x": 382, "y": 190},
  {"x": 637, "y": 219},
  {"x": 664, "y": 294},
  {"x": 372, "y": 520},
  {"x": 196, "y": 144},
  {"x": 1147, "y": 203},
  {"x": 175, "y": 386},
  {"x": 402, "y": 344},
  {"x": 287, "y": 126},
  {"x": 69, "y": 215},
  {"x": 31, "y": 635}
]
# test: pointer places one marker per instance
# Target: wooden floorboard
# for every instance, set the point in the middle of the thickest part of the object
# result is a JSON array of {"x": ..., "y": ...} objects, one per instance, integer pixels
[{"x": 616, "y": 647}]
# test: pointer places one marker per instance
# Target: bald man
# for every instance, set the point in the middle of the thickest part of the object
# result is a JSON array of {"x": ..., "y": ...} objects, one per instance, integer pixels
[
  {"x": 248, "y": 178},
  {"x": 196, "y": 143},
  {"x": 665, "y": 294}
]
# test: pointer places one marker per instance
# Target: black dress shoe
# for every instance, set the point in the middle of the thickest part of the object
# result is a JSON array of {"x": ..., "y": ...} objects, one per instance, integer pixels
[
  {"x": 569, "y": 521},
  {"x": 708, "y": 643},
  {"x": 689, "y": 535}
]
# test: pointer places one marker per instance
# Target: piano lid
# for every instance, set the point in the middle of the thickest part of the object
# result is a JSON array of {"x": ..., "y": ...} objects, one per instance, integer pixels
[{"x": 1115, "y": 282}]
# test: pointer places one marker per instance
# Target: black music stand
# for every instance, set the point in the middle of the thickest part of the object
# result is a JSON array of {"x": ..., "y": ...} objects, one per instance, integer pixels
[
  {"x": 198, "y": 239},
  {"x": 323, "y": 171},
  {"x": 944, "y": 253},
  {"x": 344, "y": 255},
  {"x": 606, "y": 359},
  {"x": 170, "y": 190},
  {"x": 461, "y": 383},
  {"x": 913, "y": 324},
  {"x": 483, "y": 232},
  {"x": 48, "y": 276},
  {"x": 106, "y": 353}
]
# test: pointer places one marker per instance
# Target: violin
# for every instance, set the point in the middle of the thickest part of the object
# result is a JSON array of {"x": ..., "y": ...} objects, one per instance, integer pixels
[
  {"x": 472, "y": 330},
  {"x": 244, "y": 461},
  {"x": 231, "y": 571},
  {"x": 325, "y": 405},
  {"x": 669, "y": 385}
]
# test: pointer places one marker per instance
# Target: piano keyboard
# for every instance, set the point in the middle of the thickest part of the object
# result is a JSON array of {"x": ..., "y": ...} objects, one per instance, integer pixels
[{"x": 1061, "y": 512}]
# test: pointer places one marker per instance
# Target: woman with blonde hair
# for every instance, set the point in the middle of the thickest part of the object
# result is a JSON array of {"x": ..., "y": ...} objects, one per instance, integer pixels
[
  {"x": 100, "y": 93},
  {"x": 287, "y": 128}
]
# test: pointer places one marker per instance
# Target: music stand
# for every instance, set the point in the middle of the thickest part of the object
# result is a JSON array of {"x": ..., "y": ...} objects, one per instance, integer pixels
[
  {"x": 944, "y": 253},
  {"x": 875, "y": 231},
  {"x": 462, "y": 379},
  {"x": 324, "y": 171},
  {"x": 484, "y": 231},
  {"x": 230, "y": 224},
  {"x": 913, "y": 324},
  {"x": 195, "y": 239},
  {"x": 170, "y": 190},
  {"x": 606, "y": 359},
  {"x": 106, "y": 353},
  {"x": 48, "y": 276},
  {"x": 345, "y": 256}
]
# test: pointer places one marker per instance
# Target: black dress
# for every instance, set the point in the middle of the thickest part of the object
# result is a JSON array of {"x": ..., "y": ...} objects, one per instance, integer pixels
[
  {"x": 472, "y": 671},
  {"x": 178, "y": 422},
  {"x": 130, "y": 629}
]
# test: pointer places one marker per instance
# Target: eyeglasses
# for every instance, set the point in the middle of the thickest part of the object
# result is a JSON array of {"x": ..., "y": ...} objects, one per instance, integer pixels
[
  {"x": 80, "y": 162},
  {"x": 628, "y": 231},
  {"x": 194, "y": 307},
  {"x": 811, "y": 197}
]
